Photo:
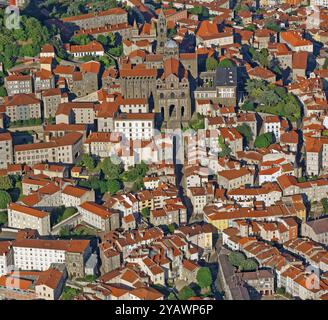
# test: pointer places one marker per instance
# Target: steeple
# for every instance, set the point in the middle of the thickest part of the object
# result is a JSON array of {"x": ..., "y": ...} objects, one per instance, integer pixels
[
  {"x": 161, "y": 32},
  {"x": 135, "y": 29}
]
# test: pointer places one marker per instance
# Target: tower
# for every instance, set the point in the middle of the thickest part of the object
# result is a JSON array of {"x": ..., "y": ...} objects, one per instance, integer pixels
[
  {"x": 135, "y": 30},
  {"x": 161, "y": 32}
]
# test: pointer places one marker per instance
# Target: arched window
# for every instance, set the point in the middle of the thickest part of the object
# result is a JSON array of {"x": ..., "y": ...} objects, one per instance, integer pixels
[
  {"x": 161, "y": 95},
  {"x": 172, "y": 95},
  {"x": 171, "y": 110},
  {"x": 182, "y": 111}
]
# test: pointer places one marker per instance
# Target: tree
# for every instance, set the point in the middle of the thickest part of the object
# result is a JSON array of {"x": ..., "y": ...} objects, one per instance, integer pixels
[
  {"x": 69, "y": 293},
  {"x": 261, "y": 56},
  {"x": 64, "y": 232},
  {"x": 325, "y": 65},
  {"x": 117, "y": 50},
  {"x": 226, "y": 63},
  {"x": 197, "y": 123},
  {"x": 225, "y": 150},
  {"x": 171, "y": 296},
  {"x": 264, "y": 140},
  {"x": 103, "y": 40},
  {"x": 106, "y": 61},
  {"x": 67, "y": 213},
  {"x": 3, "y": 217},
  {"x": 172, "y": 32},
  {"x": 137, "y": 186},
  {"x": 204, "y": 277},
  {"x": 201, "y": 12},
  {"x": 248, "y": 265},
  {"x": 248, "y": 106},
  {"x": 113, "y": 186},
  {"x": 5, "y": 199},
  {"x": 236, "y": 258},
  {"x": 186, "y": 293},
  {"x": 111, "y": 170},
  {"x": 273, "y": 26},
  {"x": 246, "y": 132},
  {"x": 88, "y": 161},
  {"x": 211, "y": 64},
  {"x": 250, "y": 27},
  {"x": 6, "y": 183},
  {"x": 171, "y": 228},
  {"x": 145, "y": 212},
  {"x": 281, "y": 290},
  {"x": 3, "y": 92},
  {"x": 81, "y": 39},
  {"x": 324, "y": 203},
  {"x": 273, "y": 99}
]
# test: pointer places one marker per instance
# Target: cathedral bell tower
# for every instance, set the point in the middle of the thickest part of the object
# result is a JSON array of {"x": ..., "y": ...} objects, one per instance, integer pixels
[{"x": 161, "y": 33}]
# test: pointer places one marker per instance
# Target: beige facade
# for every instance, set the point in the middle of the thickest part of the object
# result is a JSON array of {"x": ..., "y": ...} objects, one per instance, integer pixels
[
  {"x": 232, "y": 179},
  {"x": 23, "y": 107},
  {"x": 22, "y": 217},
  {"x": 99, "y": 217},
  {"x": 317, "y": 230},
  {"x": 63, "y": 150},
  {"x": 6, "y": 150}
]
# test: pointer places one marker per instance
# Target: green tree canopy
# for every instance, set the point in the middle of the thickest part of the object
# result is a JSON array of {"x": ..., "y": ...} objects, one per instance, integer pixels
[
  {"x": 171, "y": 228},
  {"x": 186, "y": 293},
  {"x": 88, "y": 161},
  {"x": 248, "y": 265},
  {"x": 5, "y": 199},
  {"x": 67, "y": 213},
  {"x": 324, "y": 203},
  {"x": 3, "y": 217},
  {"x": 248, "y": 106},
  {"x": 113, "y": 186},
  {"x": 197, "y": 122},
  {"x": 3, "y": 92},
  {"x": 225, "y": 149},
  {"x": 273, "y": 99},
  {"x": 6, "y": 183},
  {"x": 226, "y": 63},
  {"x": 111, "y": 170},
  {"x": 236, "y": 258},
  {"x": 171, "y": 296},
  {"x": 246, "y": 132},
  {"x": 201, "y": 11},
  {"x": 103, "y": 40},
  {"x": 261, "y": 56},
  {"x": 264, "y": 140},
  {"x": 271, "y": 25},
  {"x": 81, "y": 39},
  {"x": 211, "y": 64},
  {"x": 325, "y": 64},
  {"x": 204, "y": 277},
  {"x": 145, "y": 212}
]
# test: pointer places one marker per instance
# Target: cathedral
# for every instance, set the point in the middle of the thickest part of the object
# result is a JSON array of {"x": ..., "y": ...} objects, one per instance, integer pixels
[{"x": 164, "y": 77}]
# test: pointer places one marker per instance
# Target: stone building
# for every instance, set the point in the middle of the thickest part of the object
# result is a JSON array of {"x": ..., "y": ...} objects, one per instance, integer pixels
[
  {"x": 23, "y": 107},
  {"x": 6, "y": 149},
  {"x": 317, "y": 230},
  {"x": 100, "y": 19},
  {"x": 173, "y": 94},
  {"x": 161, "y": 33},
  {"x": 220, "y": 86},
  {"x": 51, "y": 99},
  {"x": 138, "y": 83},
  {"x": 110, "y": 259},
  {"x": 17, "y": 84}
]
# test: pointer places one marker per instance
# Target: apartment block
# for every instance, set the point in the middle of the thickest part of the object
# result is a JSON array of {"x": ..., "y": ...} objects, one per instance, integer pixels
[{"x": 22, "y": 217}]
